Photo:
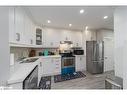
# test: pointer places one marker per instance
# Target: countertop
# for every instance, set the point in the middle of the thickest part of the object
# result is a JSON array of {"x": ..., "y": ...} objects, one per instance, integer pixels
[{"x": 19, "y": 72}]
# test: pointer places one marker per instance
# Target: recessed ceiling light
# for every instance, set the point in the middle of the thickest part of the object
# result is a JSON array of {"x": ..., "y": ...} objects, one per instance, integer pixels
[
  {"x": 48, "y": 21},
  {"x": 81, "y": 11},
  {"x": 105, "y": 17},
  {"x": 70, "y": 25}
]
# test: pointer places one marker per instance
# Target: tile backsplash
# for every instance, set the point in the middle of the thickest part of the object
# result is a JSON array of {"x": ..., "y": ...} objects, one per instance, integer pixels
[
  {"x": 24, "y": 52},
  {"x": 19, "y": 52}
]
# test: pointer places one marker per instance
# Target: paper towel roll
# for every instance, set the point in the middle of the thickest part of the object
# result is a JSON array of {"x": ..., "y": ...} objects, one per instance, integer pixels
[{"x": 12, "y": 59}]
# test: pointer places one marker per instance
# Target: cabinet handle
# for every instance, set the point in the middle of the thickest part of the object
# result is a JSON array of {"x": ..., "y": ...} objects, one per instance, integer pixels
[
  {"x": 51, "y": 43},
  {"x": 40, "y": 64},
  {"x": 31, "y": 41},
  {"x": 17, "y": 37},
  {"x": 80, "y": 58}
]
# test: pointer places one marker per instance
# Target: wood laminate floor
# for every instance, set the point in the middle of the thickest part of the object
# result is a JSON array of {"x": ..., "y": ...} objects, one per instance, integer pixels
[{"x": 89, "y": 82}]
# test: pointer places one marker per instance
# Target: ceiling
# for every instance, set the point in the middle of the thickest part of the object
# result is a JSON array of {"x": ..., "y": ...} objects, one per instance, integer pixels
[{"x": 62, "y": 16}]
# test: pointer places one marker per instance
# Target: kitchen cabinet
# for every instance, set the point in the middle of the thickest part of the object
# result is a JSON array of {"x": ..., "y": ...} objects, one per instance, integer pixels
[
  {"x": 77, "y": 39},
  {"x": 51, "y": 66},
  {"x": 11, "y": 24},
  {"x": 80, "y": 62},
  {"x": 21, "y": 27},
  {"x": 29, "y": 31},
  {"x": 51, "y": 44},
  {"x": 39, "y": 36},
  {"x": 51, "y": 38},
  {"x": 16, "y": 25},
  {"x": 33, "y": 34},
  {"x": 66, "y": 35}
]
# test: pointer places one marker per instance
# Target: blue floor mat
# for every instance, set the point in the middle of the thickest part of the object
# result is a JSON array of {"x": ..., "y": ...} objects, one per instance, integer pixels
[{"x": 65, "y": 77}]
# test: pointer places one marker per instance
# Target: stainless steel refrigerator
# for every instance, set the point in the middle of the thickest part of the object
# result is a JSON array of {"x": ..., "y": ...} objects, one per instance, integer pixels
[{"x": 95, "y": 56}]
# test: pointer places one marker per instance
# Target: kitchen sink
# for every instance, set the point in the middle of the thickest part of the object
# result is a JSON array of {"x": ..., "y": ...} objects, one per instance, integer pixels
[{"x": 29, "y": 60}]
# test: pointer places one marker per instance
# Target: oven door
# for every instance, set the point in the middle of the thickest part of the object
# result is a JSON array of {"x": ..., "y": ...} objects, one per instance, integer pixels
[
  {"x": 31, "y": 80},
  {"x": 68, "y": 65},
  {"x": 68, "y": 62}
]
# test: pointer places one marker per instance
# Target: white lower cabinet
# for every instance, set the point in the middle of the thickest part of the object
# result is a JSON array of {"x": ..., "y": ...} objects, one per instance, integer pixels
[
  {"x": 80, "y": 62},
  {"x": 50, "y": 66}
]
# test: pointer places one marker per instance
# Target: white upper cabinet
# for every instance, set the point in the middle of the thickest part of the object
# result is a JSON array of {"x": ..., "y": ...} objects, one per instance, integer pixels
[
  {"x": 16, "y": 25},
  {"x": 66, "y": 35},
  {"x": 29, "y": 33},
  {"x": 77, "y": 38},
  {"x": 11, "y": 24},
  {"x": 33, "y": 34},
  {"x": 51, "y": 38},
  {"x": 23, "y": 31},
  {"x": 21, "y": 27}
]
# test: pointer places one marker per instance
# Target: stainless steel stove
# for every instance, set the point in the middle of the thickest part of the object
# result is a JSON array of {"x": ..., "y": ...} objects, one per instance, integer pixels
[{"x": 68, "y": 63}]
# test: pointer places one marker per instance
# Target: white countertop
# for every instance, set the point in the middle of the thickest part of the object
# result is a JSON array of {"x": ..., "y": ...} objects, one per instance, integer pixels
[{"x": 20, "y": 71}]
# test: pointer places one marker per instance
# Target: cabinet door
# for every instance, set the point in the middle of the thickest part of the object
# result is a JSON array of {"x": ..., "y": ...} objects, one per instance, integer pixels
[
  {"x": 33, "y": 34},
  {"x": 77, "y": 39},
  {"x": 27, "y": 30},
  {"x": 47, "y": 66},
  {"x": 80, "y": 63},
  {"x": 83, "y": 63},
  {"x": 19, "y": 25},
  {"x": 51, "y": 38},
  {"x": 11, "y": 24},
  {"x": 51, "y": 44},
  {"x": 57, "y": 65},
  {"x": 66, "y": 35}
]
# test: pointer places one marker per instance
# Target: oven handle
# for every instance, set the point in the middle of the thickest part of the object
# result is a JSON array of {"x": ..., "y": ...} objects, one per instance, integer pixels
[{"x": 68, "y": 57}]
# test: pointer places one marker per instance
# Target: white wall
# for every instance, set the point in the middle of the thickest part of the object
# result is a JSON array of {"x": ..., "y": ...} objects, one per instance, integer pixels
[
  {"x": 120, "y": 29},
  {"x": 4, "y": 47},
  {"x": 107, "y": 36}
]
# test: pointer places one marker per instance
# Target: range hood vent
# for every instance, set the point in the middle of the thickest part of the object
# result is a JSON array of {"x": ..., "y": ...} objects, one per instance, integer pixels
[{"x": 66, "y": 42}]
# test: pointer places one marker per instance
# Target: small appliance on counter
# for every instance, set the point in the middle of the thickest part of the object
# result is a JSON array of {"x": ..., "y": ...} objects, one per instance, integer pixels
[
  {"x": 77, "y": 51},
  {"x": 46, "y": 53},
  {"x": 12, "y": 60},
  {"x": 32, "y": 53}
]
